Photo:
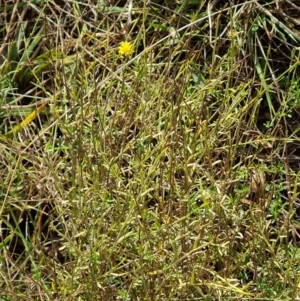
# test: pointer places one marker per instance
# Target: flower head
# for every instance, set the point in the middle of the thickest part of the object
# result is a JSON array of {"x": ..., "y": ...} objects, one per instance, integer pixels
[{"x": 126, "y": 48}]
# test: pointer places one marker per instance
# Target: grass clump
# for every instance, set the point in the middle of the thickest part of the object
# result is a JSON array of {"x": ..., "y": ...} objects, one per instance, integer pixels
[{"x": 149, "y": 151}]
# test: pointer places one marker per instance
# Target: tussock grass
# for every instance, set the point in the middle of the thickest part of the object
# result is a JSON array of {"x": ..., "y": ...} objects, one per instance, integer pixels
[{"x": 170, "y": 174}]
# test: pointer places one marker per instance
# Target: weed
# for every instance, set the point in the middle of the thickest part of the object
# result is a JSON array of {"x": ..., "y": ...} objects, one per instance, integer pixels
[{"x": 170, "y": 174}]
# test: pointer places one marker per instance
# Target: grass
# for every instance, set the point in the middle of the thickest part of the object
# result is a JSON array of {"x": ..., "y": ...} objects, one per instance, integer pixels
[{"x": 168, "y": 174}]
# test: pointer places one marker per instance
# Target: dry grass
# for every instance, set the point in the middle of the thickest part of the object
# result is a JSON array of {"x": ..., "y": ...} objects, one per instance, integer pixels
[{"x": 170, "y": 174}]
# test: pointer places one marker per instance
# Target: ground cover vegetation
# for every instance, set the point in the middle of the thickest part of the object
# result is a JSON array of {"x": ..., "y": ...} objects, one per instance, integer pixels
[{"x": 149, "y": 150}]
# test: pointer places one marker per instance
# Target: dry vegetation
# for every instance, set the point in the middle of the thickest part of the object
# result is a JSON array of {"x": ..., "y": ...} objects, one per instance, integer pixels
[{"x": 169, "y": 174}]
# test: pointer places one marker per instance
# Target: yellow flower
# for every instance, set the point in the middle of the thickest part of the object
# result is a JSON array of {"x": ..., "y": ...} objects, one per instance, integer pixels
[{"x": 126, "y": 49}]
